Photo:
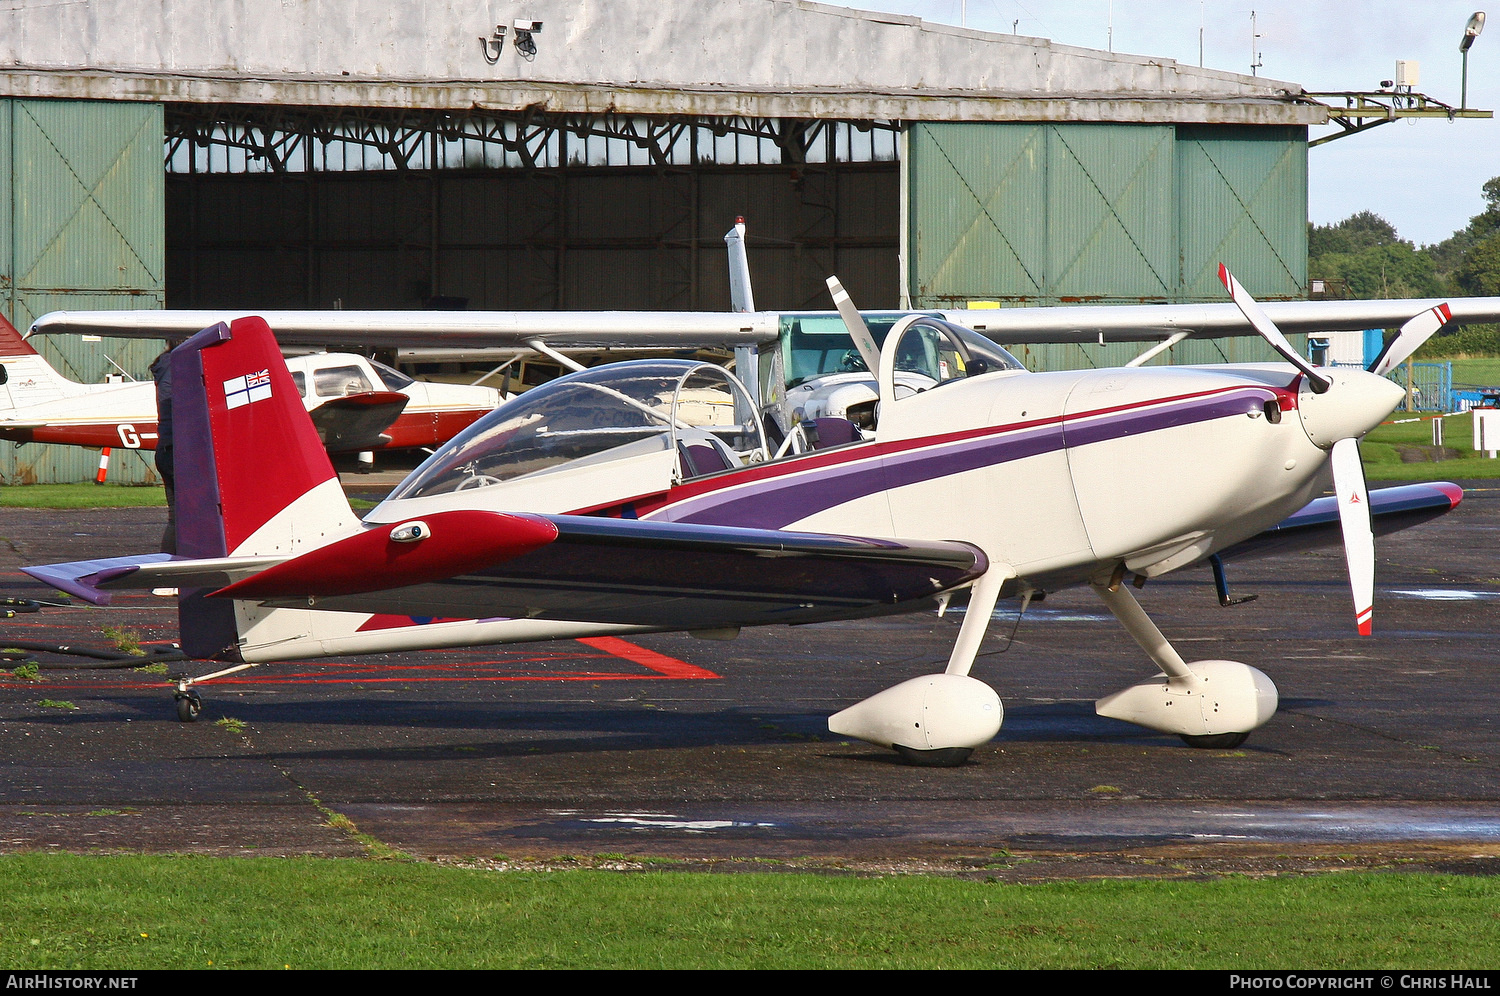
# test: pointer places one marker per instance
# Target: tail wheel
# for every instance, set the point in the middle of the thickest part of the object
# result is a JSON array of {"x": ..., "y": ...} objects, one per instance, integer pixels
[{"x": 189, "y": 705}]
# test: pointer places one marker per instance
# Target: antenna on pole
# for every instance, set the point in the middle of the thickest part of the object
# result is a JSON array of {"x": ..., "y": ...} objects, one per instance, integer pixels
[
  {"x": 1254, "y": 47},
  {"x": 1200, "y": 34}
]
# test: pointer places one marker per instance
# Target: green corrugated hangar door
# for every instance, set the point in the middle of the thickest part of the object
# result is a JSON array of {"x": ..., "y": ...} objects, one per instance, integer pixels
[
  {"x": 1045, "y": 214},
  {"x": 1242, "y": 199},
  {"x": 81, "y": 227}
]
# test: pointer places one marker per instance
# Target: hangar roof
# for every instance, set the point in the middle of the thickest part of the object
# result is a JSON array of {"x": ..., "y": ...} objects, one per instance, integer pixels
[{"x": 760, "y": 58}]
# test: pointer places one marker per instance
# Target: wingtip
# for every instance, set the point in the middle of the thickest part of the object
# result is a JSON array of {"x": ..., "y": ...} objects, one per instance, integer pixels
[{"x": 1454, "y": 493}]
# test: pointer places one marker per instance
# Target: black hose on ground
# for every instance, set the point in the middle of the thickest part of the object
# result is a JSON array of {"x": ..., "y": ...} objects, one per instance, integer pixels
[
  {"x": 12, "y": 606},
  {"x": 105, "y": 659}
]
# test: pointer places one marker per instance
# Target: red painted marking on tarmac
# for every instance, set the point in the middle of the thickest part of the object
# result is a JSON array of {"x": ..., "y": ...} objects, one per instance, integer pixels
[
  {"x": 671, "y": 667},
  {"x": 659, "y": 666}
]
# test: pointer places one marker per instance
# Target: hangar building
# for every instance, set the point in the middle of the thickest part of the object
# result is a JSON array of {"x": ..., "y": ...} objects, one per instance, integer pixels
[{"x": 583, "y": 154}]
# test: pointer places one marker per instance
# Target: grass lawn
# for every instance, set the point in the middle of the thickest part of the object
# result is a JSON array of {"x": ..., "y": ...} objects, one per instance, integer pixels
[
  {"x": 1484, "y": 372},
  {"x": 1382, "y": 451},
  {"x": 65, "y": 911},
  {"x": 80, "y": 496},
  {"x": 98, "y": 496}
]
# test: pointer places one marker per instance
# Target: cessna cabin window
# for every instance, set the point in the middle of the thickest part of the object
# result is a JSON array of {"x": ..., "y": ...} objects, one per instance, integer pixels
[
  {"x": 818, "y": 345},
  {"x": 604, "y": 413},
  {"x": 333, "y": 382},
  {"x": 300, "y": 379},
  {"x": 943, "y": 352}
]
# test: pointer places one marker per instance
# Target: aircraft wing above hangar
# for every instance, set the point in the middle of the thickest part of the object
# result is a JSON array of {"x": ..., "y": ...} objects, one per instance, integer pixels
[
  {"x": 679, "y": 329},
  {"x": 481, "y": 329}
]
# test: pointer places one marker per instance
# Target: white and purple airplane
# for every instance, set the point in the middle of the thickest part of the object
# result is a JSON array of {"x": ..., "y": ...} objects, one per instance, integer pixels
[{"x": 644, "y": 496}]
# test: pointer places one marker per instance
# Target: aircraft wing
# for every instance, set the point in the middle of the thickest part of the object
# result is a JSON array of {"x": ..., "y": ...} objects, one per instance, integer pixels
[
  {"x": 682, "y": 329},
  {"x": 477, "y": 564},
  {"x": 1145, "y": 322},
  {"x": 471, "y": 329},
  {"x": 357, "y": 421},
  {"x": 1317, "y": 523}
]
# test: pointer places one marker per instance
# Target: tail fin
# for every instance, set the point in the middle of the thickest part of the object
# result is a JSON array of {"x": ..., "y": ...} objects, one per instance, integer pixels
[
  {"x": 11, "y": 343},
  {"x": 251, "y": 476},
  {"x": 27, "y": 379}
]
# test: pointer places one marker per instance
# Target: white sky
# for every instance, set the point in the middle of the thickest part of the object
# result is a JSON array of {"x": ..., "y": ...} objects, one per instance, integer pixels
[{"x": 1423, "y": 176}]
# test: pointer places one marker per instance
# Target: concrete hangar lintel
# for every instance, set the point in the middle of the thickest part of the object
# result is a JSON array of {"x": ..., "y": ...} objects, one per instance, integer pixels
[{"x": 761, "y": 58}]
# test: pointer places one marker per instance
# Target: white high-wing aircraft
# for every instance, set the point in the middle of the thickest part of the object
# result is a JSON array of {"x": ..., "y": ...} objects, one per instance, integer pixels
[
  {"x": 799, "y": 365},
  {"x": 643, "y": 496},
  {"x": 356, "y": 403}
]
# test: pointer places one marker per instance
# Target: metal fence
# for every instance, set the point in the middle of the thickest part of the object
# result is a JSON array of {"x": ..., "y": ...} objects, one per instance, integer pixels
[{"x": 1429, "y": 386}]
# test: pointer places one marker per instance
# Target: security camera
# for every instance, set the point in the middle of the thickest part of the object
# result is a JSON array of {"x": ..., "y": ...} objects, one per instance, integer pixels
[{"x": 525, "y": 44}]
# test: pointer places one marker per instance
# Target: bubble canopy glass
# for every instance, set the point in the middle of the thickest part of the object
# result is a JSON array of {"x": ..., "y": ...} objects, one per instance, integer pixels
[{"x": 651, "y": 404}]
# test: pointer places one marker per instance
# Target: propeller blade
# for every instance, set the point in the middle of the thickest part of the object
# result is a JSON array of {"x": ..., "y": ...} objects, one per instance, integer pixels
[
  {"x": 1359, "y": 536},
  {"x": 855, "y": 322},
  {"x": 1410, "y": 339},
  {"x": 1262, "y": 323}
]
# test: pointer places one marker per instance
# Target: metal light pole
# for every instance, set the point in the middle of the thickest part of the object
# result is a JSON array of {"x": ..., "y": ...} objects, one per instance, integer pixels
[{"x": 1471, "y": 31}]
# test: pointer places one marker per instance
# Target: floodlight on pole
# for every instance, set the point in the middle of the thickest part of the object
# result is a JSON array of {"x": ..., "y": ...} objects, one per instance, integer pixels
[{"x": 1471, "y": 31}]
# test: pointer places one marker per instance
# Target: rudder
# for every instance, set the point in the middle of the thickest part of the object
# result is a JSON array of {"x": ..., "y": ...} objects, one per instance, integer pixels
[{"x": 252, "y": 477}]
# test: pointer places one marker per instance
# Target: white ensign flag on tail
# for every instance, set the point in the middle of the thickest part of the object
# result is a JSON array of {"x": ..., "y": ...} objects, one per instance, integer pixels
[{"x": 239, "y": 391}]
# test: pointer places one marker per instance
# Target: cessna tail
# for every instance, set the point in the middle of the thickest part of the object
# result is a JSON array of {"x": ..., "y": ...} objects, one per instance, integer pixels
[{"x": 26, "y": 378}]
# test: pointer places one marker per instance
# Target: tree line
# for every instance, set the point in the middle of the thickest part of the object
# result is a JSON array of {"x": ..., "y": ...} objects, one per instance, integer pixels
[{"x": 1362, "y": 257}]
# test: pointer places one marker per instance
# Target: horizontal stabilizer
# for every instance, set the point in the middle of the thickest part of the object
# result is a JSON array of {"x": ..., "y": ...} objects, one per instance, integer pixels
[
  {"x": 80, "y": 578},
  {"x": 357, "y": 421},
  {"x": 94, "y": 580}
]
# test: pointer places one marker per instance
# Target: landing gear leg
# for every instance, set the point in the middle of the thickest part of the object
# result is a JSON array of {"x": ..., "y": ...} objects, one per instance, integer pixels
[
  {"x": 189, "y": 702},
  {"x": 976, "y": 620},
  {"x": 1210, "y": 704}
]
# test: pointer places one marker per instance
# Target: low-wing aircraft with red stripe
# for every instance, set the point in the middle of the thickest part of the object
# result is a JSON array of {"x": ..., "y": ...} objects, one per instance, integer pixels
[
  {"x": 645, "y": 496},
  {"x": 355, "y": 403}
]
